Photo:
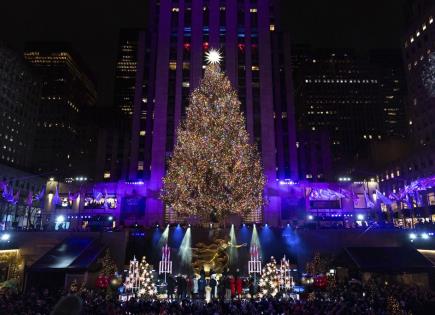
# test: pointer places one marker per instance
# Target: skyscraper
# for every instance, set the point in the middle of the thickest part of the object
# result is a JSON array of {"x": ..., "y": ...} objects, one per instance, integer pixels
[
  {"x": 356, "y": 99},
  {"x": 170, "y": 63},
  {"x": 19, "y": 105},
  {"x": 126, "y": 68},
  {"x": 62, "y": 139},
  {"x": 419, "y": 58}
]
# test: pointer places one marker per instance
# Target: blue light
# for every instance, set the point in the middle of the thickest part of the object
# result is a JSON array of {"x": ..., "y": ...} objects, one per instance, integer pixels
[
  {"x": 110, "y": 218},
  {"x": 412, "y": 236},
  {"x": 360, "y": 217},
  {"x": 5, "y": 237},
  {"x": 310, "y": 217},
  {"x": 424, "y": 236},
  {"x": 60, "y": 219}
]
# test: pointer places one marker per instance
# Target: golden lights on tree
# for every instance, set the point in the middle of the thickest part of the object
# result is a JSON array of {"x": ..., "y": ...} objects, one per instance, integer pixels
[
  {"x": 109, "y": 266},
  {"x": 214, "y": 170}
]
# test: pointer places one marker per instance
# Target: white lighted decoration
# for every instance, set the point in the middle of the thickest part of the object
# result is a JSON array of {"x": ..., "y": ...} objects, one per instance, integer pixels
[{"x": 213, "y": 56}]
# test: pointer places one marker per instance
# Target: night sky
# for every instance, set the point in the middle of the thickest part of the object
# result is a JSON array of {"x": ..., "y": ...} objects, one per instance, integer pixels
[{"x": 92, "y": 26}]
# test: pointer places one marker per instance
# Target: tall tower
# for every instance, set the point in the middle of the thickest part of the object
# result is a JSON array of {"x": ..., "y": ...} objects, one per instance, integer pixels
[
  {"x": 170, "y": 65},
  {"x": 63, "y": 141}
]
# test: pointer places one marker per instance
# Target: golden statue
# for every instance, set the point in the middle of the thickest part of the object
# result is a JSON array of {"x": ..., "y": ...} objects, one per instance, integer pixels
[{"x": 212, "y": 256}]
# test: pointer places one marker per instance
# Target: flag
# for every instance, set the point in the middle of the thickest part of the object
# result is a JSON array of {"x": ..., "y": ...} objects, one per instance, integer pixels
[
  {"x": 29, "y": 200},
  {"x": 40, "y": 196},
  {"x": 417, "y": 198},
  {"x": 5, "y": 191},
  {"x": 97, "y": 195},
  {"x": 382, "y": 198},
  {"x": 56, "y": 198},
  {"x": 369, "y": 203},
  {"x": 106, "y": 205},
  {"x": 16, "y": 197}
]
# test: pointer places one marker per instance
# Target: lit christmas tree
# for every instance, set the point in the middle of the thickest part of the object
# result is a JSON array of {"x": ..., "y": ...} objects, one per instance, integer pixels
[
  {"x": 270, "y": 279},
  {"x": 109, "y": 266},
  {"x": 139, "y": 282},
  {"x": 214, "y": 170},
  {"x": 148, "y": 288}
]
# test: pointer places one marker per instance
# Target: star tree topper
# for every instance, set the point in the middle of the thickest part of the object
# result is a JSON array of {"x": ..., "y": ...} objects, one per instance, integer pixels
[{"x": 213, "y": 56}]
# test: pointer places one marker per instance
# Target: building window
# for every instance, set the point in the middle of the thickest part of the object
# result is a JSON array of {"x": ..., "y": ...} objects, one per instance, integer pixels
[
  {"x": 431, "y": 199},
  {"x": 142, "y": 133},
  {"x": 140, "y": 166},
  {"x": 106, "y": 175}
]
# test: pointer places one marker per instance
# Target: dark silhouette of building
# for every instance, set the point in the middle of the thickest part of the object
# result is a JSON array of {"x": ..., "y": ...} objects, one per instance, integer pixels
[
  {"x": 113, "y": 144},
  {"x": 19, "y": 105},
  {"x": 419, "y": 58},
  {"x": 64, "y": 139},
  {"x": 126, "y": 69},
  {"x": 356, "y": 99}
]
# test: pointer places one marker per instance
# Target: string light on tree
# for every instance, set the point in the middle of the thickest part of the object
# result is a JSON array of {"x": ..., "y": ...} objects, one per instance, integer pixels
[
  {"x": 109, "y": 266},
  {"x": 214, "y": 170}
]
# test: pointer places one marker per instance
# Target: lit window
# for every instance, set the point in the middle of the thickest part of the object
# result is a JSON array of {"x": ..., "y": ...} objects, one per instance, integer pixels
[
  {"x": 308, "y": 176},
  {"x": 412, "y": 39},
  {"x": 140, "y": 166},
  {"x": 142, "y": 133},
  {"x": 175, "y": 9},
  {"x": 255, "y": 68},
  {"x": 272, "y": 27},
  {"x": 417, "y": 34},
  {"x": 430, "y": 20},
  {"x": 253, "y": 10},
  {"x": 398, "y": 172},
  {"x": 186, "y": 84},
  {"x": 410, "y": 122},
  {"x": 173, "y": 65},
  {"x": 424, "y": 27},
  {"x": 106, "y": 175}
]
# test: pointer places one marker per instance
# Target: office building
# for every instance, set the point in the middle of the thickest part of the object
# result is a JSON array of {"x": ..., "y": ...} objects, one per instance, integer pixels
[
  {"x": 256, "y": 58},
  {"x": 356, "y": 99},
  {"x": 67, "y": 90},
  {"x": 19, "y": 106}
]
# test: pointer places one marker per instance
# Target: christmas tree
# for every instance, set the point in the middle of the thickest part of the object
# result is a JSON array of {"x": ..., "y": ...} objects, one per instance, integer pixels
[
  {"x": 139, "y": 281},
  {"x": 109, "y": 266},
  {"x": 269, "y": 281},
  {"x": 214, "y": 170},
  {"x": 148, "y": 288}
]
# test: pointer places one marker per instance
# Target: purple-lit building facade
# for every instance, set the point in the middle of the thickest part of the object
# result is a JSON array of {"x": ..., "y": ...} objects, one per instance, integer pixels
[
  {"x": 257, "y": 60},
  {"x": 170, "y": 65},
  {"x": 418, "y": 46}
]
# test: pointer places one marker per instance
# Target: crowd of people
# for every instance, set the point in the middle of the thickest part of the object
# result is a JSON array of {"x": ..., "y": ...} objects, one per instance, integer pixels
[
  {"x": 198, "y": 287},
  {"x": 349, "y": 298}
]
